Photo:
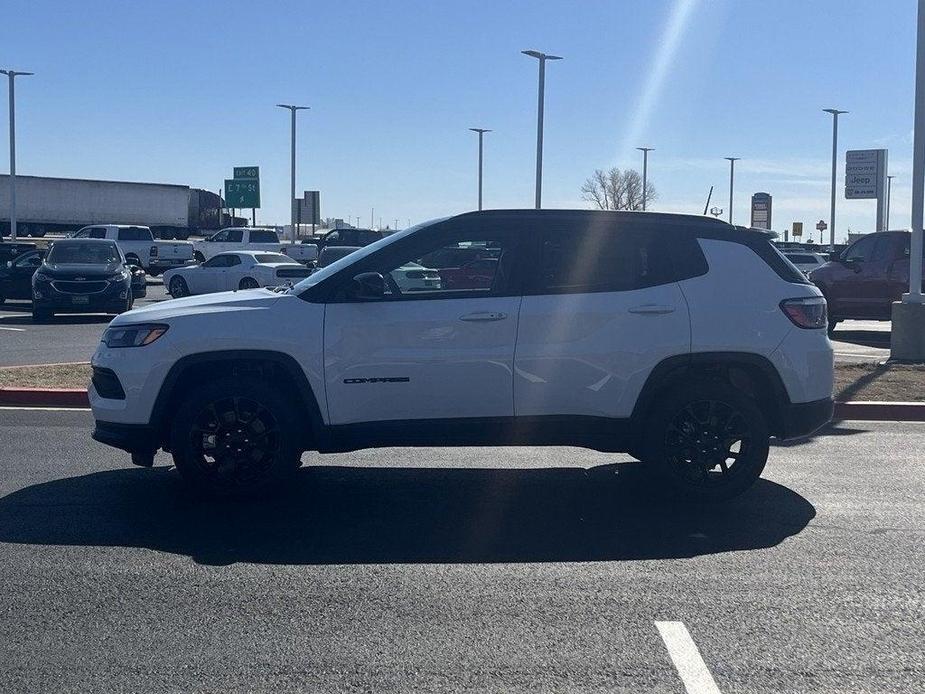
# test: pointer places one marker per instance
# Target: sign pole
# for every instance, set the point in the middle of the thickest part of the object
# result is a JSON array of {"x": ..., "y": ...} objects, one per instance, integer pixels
[{"x": 253, "y": 216}]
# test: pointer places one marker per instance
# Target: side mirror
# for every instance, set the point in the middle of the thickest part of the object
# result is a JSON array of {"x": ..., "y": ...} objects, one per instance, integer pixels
[{"x": 366, "y": 285}]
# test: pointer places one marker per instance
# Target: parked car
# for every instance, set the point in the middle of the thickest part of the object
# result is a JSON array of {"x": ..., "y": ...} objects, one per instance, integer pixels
[
  {"x": 680, "y": 339},
  {"x": 310, "y": 249},
  {"x": 237, "y": 239},
  {"x": 234, "y": 270},
  {"x": 475, "y": 273},
  {"x": 414, "y": 277},
  {"x": 139, "y": 280},
  {"x": 81, "y": 276},
  {"x": 139, "y": 246},
  {"x": 10, "y": 249},
  {"x": 804, "y": 261},
  {"x": 331, "y": 254},
  {"x": 866, "y": 278},
  {"x": 16, "y": 275}
]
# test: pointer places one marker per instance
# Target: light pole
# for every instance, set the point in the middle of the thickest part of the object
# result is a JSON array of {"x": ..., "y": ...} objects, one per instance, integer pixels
[
  {"x": 732, "y": 177},
  {"x": 889, "y": 195},
  {"x": 835, "y": 113},
  {"x": 13, "y": 74},
  {"x": 481, "y": 132},
  {"x": 645, "y": 172},
  {"x": 542, "y": 57},
  {"x": 292, "y": 216}
]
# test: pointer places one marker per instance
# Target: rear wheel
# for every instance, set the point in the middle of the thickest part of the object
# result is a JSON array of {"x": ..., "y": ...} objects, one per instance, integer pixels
[
  {"x": 708, "y": 441},
  {"x": 830, "y": 329},
  {"x": 235, "y": 437},
  {"x": 248, "y": 283},
  {"x": 177, "y": 287}
]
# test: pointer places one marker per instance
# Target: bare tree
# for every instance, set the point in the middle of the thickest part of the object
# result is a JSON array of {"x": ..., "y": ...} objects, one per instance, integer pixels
[{"x": 617, "y": 190}]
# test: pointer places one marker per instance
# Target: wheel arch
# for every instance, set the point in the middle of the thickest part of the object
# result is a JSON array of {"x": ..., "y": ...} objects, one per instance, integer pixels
[
  {"x": 192, "y": 369},
  {"x": 751, "y": 373}
]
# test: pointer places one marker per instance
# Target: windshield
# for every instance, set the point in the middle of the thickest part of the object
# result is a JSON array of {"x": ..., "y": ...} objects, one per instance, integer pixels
[
  {"x": 91, "y": 253},
  {"x": 358, "y": 255}
]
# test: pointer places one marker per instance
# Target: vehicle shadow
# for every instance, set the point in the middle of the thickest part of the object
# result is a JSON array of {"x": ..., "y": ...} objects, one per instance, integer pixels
[
  {"x": 833, "y": 428},
  {"x": 350, "y": 515}
]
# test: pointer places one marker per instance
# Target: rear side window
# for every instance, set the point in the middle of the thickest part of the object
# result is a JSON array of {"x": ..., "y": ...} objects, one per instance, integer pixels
[
  {"x": 601, "y": 260},
  {"x": 134, "y": 234},
  {"x": 776, "y": 260},
  {"x": 97, "y": 233},
  {"x": 235, "y": 236},
  {"x": 263, "y": 236}
]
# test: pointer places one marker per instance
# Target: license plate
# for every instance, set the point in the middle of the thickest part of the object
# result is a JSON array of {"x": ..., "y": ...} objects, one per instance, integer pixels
[{"x": 80, "y": 299}]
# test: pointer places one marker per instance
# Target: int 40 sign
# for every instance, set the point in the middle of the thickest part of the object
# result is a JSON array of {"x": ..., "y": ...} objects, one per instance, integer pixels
[{"x": 865, "y": 173}]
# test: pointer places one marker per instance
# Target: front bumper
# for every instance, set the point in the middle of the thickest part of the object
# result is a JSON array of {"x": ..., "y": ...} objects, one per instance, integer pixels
[
  {"x": 110, "y": 300},
  {"x": 801, "y": 419},
  {"x": 134, "y": 438}
]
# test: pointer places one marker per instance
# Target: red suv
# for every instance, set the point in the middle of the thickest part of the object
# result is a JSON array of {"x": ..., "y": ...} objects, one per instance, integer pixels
[{"x": 866, "y": 278}]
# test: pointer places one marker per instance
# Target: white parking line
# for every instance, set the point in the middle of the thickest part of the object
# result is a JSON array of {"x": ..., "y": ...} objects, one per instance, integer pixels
[
  {"x": 15, "y": 330},
  {"x": 686, "y": 658},
  {"x": 44, "y": 409}
]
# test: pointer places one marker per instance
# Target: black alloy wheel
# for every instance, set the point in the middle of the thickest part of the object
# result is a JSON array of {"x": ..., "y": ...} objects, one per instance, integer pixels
[
  {"x": 235, "y": 437},
  {"x": 710, "y": 441},
  {"x": 178, "y": 287}
]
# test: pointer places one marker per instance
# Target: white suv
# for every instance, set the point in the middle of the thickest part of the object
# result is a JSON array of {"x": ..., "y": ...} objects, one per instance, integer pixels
[{"x": 682, "y": 340}]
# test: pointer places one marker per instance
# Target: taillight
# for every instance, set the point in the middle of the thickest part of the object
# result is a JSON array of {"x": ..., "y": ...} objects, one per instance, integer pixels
[
  {"x": 809, "y": 312},
  {"x": 153, "y": 251}
]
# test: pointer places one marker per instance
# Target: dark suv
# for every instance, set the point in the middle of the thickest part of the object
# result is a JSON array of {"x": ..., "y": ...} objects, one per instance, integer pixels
[{"x": 866, "y": 278}]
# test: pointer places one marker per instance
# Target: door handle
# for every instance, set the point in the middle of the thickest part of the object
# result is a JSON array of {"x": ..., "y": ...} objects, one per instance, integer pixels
[
  {"x": 483, "y": 316},
  {"x": 652, "y": 309}
]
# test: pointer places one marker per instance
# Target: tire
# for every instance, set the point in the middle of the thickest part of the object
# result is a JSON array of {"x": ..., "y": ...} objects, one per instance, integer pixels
[
  {"x": 128, "y": 305},
  {"x": 132, "y": 258},
  {"x": 830, "y": 329},
  {"x": 693, "y": 433},
  {"x": 216, "y": 419},
  {"x": 248, "y": 283},
  {"x": 41, "y": 315},
  {"x": 178, "y": 287}
]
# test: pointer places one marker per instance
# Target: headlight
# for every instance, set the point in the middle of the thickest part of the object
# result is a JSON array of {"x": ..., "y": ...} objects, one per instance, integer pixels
[{"x": 133, "y": 335}]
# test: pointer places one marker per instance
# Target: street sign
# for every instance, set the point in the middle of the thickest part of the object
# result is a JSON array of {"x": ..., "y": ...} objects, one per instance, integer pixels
[
  {"x": 821, "y": 225},
  {"x": 761, "y": 211},
  {"x": 797, "y": 228},
  {"x": 242, "y": 193},
  {"x": 247, "y": 172}
]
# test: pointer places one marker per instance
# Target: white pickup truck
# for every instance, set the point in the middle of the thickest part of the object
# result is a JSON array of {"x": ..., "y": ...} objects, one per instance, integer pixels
[
  {"x": 237, "y": 239},
  {"x": 138, "y": 245}
]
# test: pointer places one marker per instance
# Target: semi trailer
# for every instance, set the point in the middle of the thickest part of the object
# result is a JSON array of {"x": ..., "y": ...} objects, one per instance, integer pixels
[{"x": 46, "y": 204}]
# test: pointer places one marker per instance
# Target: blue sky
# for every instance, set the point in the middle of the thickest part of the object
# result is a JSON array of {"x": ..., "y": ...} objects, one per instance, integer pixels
[{"x": 181, "y": 92}]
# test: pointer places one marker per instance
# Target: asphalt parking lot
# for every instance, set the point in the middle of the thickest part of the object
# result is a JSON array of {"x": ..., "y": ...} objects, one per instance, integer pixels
[
  {"x": 74, "y": 338},
  {"x": 504, "y": 569}
]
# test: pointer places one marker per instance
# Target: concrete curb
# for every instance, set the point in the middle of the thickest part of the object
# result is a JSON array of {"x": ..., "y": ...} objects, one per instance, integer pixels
[
  {"x": 883, "y": 411},
  {"x": 76, "y": 397},
  {"x": 44, "y": 397}
]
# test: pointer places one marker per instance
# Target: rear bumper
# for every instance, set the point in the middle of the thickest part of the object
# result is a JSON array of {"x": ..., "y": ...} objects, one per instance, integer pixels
[
  {"x": 134, "y": 438},
  {"x": 804, "y": 418}
]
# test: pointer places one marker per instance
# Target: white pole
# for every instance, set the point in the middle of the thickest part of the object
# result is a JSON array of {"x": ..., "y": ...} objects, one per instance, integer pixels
[
  {"x": 11, "y": 75},
  {"x": 835, "y": 113},
  {"x": 541, "y": 92},
  {"x": 889, "y": 196},
  {"x": 292, "y": 215},
  {"x": 918, "y": 168},
  {"x": 480, "y": 170},
  {"x": 645, "y": 173},
  {"x": 732, "y": 175},
  {"x": 539, "y": 132}
]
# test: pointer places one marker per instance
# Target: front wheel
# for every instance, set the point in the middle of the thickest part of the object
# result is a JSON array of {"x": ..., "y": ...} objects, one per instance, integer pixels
[
  {"x": 708, "y": 441},
  {"x": 235, "y": 437}
]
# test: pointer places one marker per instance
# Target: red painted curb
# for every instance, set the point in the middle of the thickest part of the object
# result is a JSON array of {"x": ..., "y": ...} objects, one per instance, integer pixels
[
  {"x": 884, "y": 411},
  {"x": 44, "y": 397}
]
